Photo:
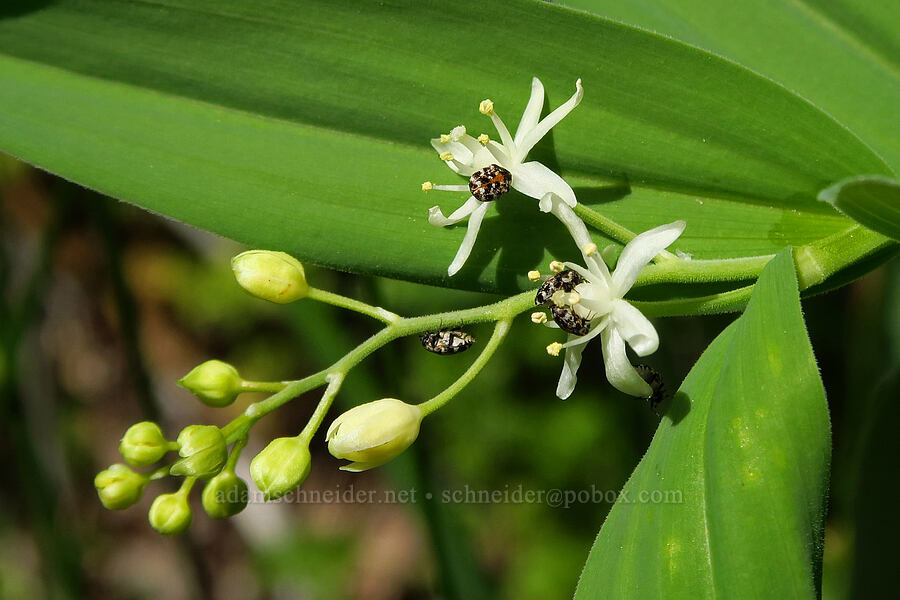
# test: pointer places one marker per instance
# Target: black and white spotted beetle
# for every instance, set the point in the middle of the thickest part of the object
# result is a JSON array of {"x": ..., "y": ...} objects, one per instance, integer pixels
[
  {"x": 564, "y": 316},
  {"x": 490, "y": 183},
  {"x": 447, "y": 341}
]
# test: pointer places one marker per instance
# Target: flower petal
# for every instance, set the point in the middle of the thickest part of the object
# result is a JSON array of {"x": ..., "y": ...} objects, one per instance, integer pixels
[
  {"x": 640, "y": 251},
  {"x": 568, "y": 378},
  {"x": 437, "y": 218},
  {"x": 635, "y": 328},
  {"x": 535, "y": 179},
  {"x": 619, "y": 371},
  {"x": 573, "y": 223},
  {"x": 460, "y": 152},
  {"x": 540, "y": 130},
  {"x": 532, "y": 113},
  {"x": 505, "y": 137},
  {"x": 584, "y": 339},
  {"x": 499, "y": 154},
  {"x": 469, "y": 241}
]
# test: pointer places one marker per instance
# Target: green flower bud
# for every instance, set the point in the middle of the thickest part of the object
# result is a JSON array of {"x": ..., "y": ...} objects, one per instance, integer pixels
[
  {"x": 374, "y": 433},
  {"x": 282, "y": 466},
  {"x": 225, "y": 495},
  {"x": 203, "y": 451},
  {"x": 273, "y": 276},
  {"x": 119, "y": 487},
  {"x": 214, "y": 382},
  {"x": 143, "y": 444},
  {"x": 170, "y": 514}
]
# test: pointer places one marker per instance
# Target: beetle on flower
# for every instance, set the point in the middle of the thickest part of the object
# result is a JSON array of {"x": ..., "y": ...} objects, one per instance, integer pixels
[
  {"x": 587, "y": 302},
  {"x": 493, "y": 168}
]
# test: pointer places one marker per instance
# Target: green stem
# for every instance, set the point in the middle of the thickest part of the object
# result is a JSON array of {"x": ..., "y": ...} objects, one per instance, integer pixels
[
  {"x": 500, "y": 331},
  {"x": 505, "y": 310},
  {"x": 730, "y": 301},
  {"x": 264, "y": 386},
  {"x": 315, "y": 421},
  {"x": 186, "y": 486},
  {"x": 235, "y": 454},
  {"x": 604, "y": 224},
  {"x": 677, "y": 270},
  {"x": 376, "y": 312}
]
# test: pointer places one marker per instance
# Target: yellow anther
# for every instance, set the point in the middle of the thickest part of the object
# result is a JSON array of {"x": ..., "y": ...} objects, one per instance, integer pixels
[
  {"x": 445, "y": 138},
  {"x": 534, "y": 275},
  {"x": 427, "y": 186},
  {"x": 589, "y": 249},
  {"x": 557, "y": 267},
  {"x": 558, "y": 298},
  {"x": 573, "y": 298},
  {"x": 554, "y": 349},
  {"x": 457, "y": 132},
  {"x": 486, "y": 107},
  {"x": 538, "y": 317},
  {"x": 446, "y": 156},
  {"x": 483, "y": 139}
]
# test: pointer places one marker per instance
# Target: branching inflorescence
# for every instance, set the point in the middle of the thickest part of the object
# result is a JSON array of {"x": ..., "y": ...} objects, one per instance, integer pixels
[{"x": 584, "y": 301}]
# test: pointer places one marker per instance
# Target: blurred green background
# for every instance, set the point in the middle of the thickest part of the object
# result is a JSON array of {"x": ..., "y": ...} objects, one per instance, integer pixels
[{"x": 103, "y": 307}]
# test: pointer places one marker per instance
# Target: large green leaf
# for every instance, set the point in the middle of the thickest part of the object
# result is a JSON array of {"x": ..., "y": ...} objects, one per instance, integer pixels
[
  {"x": 305, "y": 127},
  {"x": 842, "y": 55},
  {"x": 872, "y": 201},
  {"x": 729, "y": 500}
]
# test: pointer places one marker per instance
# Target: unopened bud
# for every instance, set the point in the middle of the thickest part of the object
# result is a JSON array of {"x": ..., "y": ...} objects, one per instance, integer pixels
[
  {"x": 143, "y": 444},
  {"x": 119, "y": 487},
  {"x": 282, "y": 466},
  {"x": 374, "y": 433},
  {"x": 225, "y": 495},
  {"x": 214, "y": 382},
  {"x": 203, "y": 451},
  {"x": 273, "y": 276},
  {"x": 170, "y": 514}
]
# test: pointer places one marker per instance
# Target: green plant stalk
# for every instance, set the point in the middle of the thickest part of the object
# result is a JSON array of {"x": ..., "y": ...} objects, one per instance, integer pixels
[
  {"x": 500, "y": 330},
  {"x": 334, "y": 384},
  {"x": 263, "y": 386},
  {"x": 376, "y": 312},
  {"x": 814, "y": 263}
]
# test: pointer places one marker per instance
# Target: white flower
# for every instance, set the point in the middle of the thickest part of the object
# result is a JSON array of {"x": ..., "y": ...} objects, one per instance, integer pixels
[
  {"x": 592, "y": 304},
  {"x": 494, "y": 167}
]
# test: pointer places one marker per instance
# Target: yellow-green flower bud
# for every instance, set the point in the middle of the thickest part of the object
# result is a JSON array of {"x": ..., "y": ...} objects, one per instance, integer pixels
[
  {"x": 170, "y": 514},
  {"x": 119, "y": 487},
  {"x": 374, "y": 433},
  {"x": 143, "y": 444},
  {"x": 273, "y": 276},
  {"x": 214, "y": 382},
  {"x": 282, "y": 466},
  {"x": 225, "y": 495},
  {"x": 203, "y": 451}
]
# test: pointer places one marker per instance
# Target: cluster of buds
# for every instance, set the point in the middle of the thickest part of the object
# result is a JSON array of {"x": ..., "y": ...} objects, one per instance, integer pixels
[{"x": 368, "y": 435}]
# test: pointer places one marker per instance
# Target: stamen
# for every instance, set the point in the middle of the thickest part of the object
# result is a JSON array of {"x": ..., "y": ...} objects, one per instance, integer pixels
[
  {"x": 589, "y": 249},
  {"x": 554, "y": 349},
  {"x": 559, "y": 298},
  {"x": 573, "y": 298},
  {"x": 445, "y": 138},
  {"x": 532, "y": 275},
  {"x": 427, "y": 186},
  {"x": 457, "y": 132},
  {"x": 486, "y": 107},
  {"x": 557, "y": 267},
  {"x": 445, "y": 156},
  {"x": 538, "y": 318},
  {"x": 483, "y": 139}
]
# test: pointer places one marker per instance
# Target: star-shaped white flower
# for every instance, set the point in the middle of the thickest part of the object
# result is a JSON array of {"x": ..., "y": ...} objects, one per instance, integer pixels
[
  {"x": 589, "y": 302},
  {"x": 493, "y": 168}
]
